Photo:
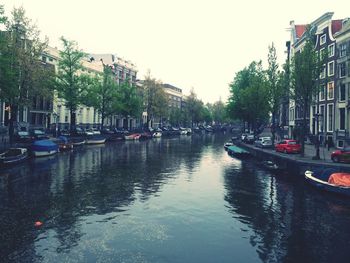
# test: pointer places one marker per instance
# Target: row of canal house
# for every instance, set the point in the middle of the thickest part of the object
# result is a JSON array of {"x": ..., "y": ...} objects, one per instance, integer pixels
[
  {"x": 329, "y": 115},
  {"x": 50, "y": 112}
]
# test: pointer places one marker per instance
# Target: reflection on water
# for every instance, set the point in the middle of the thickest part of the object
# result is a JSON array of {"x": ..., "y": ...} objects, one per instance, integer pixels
[{"x": 177, "y": 199}]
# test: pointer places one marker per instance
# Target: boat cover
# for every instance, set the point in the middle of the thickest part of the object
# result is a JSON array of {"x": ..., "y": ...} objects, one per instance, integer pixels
[
  {"x": 341, "y": 179},
  {"x": 237, "y": 149},
  {"x": 64, "y": 139},
  {"x": 44, "y": 145}
]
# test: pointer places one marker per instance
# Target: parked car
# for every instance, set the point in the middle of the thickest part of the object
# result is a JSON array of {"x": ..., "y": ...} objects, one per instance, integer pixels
[
  {"x": 263, "y": 142},
  {"x": 342, "y": 155},
  {"x": 250, "y": 138},
  {"x": 288, "y": 146}
]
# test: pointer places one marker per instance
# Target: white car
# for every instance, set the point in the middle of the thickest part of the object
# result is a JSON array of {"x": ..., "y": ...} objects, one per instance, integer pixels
[{"x": 263, "y": 142}]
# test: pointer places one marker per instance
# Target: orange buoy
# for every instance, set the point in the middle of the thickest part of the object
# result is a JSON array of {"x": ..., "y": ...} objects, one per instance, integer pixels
[{"x": 38, "y": 223}]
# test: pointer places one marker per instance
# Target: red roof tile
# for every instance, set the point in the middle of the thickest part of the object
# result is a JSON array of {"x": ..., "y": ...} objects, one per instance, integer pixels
[
  {"x": 300, "y": 30},
  {"x": 336, "y": 26}
]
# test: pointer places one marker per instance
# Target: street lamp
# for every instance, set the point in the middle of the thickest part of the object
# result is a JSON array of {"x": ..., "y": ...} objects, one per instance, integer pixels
[{"x": 317, "y": 156}]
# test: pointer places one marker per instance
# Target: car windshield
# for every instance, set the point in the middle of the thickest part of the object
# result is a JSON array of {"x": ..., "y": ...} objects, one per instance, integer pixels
[
  {"x": 39, "y": 132},
  {"x": 292, "y": 143},
  {"x": 23, "y": 133}
]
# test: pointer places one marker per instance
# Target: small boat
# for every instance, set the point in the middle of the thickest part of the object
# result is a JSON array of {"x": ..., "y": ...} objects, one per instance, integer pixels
[
  {"x": 236, "y": 151},
  {"x": 63, "y": 144},
  {"x": 95, "y": 140},
  {"x": 228, "y": 144},
  {"x": 157, "y": 134},
  {"x": 77, "y": 141},
  {"x": 44, "y": 148},
  {"x": 133, "y": 136},
  {"x": 270, "y": 165},
  {"x": 330, "y": 180},
  {"x": 183, "y": 131},
  {"x": 13, "y": 156}
]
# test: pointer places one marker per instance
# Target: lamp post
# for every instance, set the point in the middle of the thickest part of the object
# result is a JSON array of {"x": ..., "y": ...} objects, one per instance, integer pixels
[{"x": 317, "y": 156}]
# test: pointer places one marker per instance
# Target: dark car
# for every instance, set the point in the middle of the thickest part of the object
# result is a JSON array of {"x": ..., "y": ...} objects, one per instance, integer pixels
[{"x": 342, "y": 155}]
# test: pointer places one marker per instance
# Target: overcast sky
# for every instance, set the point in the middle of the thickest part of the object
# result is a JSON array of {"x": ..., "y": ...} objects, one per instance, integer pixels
[{"x": 198, "y": 44}]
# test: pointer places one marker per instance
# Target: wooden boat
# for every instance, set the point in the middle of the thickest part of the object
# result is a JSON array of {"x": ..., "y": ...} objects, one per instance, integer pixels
[
  {"x": 44, "y": 148},
  {"x": 133, "y": 136},
  {"x": 95, "y": 140},
  {"x": 236, "y": 151},
  {"x": 13, "y": 156},
  {"x": 329, "y": 180}
]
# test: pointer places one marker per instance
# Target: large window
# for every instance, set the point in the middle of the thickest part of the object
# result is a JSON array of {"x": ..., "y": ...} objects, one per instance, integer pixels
[
  {"x": 342, "y": 94},
  {"x": 342, "y": 70},
  {"x": 321, "y": 119},
  {"x": 330, "y": 118},
  {"x": 323, "y": 39},
  {"x": 322, "y": 91},
  {"x": 331, "y": 68},
  {"x": 323, "y": 72},
  {"x": 342, "y": 50},
  {"x": 330, "y": 90},
  {"x": 342, "y": 119},
  {"x": 331, "y": 50}
]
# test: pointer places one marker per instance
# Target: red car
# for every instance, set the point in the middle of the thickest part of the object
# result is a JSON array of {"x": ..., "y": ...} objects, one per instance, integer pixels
[
  {"x": 288, "y": 146},
  {"x": 341, "y": 155}
]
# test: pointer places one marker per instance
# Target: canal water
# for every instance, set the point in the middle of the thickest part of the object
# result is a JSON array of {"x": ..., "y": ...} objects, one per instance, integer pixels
[{"x": 177, "y": 199}]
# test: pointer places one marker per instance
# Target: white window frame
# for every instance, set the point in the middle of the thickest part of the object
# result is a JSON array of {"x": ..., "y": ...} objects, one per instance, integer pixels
[
  {"x": 331, "y": 50},
  {"x": 344, "y": 119},
  {"x": 322, "y": 88},
  {"x": 340, "y": 92},
  {"x": 342, "y": 76},
  {"x": 323, "y": 72},
  {"x": 328, "y": 97},
  {"x": 342, "y": 50},
  {"x": 331, "y": 66},
  {"x": 322, "y": 51},
  {"x": 328, "y": 122},
  {"x": 321, "y": 120},
  {"x": 323, "y": 39}
]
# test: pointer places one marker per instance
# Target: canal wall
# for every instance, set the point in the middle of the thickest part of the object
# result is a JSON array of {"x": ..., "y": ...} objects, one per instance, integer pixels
[{"x": 293, "y": 163}]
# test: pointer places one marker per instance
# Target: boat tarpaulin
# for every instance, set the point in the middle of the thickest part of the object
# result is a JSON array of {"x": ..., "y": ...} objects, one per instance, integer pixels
[{"x": 341, "y": 179}]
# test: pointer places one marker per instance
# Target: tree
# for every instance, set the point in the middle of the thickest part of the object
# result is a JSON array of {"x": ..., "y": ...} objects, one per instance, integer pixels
[
  {"x": 249, "y": 97},
  {"x": 71, "y": 84},
  {"x": 275, "y": 87},
  {"x": 218, "y": 112},
  {"x": 22, "y": 74},
  {"x": 102, "y": 94},
  {"x": 305, "y": 70},
  {"x": 155, "y": 99},
  {"x": 128, "y": 101}
]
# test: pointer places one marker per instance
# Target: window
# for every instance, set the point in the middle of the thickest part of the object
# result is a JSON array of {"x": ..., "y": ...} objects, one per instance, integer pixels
[
  {"x": 321, "y": 119},
  {"x": 342, "y": 119},
  {"x": 322, "y": 91},
  {"x": 330, "y": 118},
  {"x": 342, "y": 92},
  {"x": 50, "y": 59},
  {"x": 342, "y": 50},
  {"x": 322, "y": 53},
  {"x": 331, "y": 50},
  {"x": 330, "y": 91},
  {"x": 342, "y": 70},
  {"x": 323, "y": 39},
  {"x": 43, "y": 58},
  {"x": 323, "y": 72},
  {"x": 331, "y": 68}
]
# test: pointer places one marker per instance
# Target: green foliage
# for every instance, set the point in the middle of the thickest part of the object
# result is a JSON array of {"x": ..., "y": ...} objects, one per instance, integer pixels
[
  {"x": 218, "y": 112},
  {"x": 249, "y": 95},
  {"x": 128, "y": 101},
  {"x": 71, "y": 85},
  {"x": 102, "y": 94},
  {"x": 155, "y": 99}
]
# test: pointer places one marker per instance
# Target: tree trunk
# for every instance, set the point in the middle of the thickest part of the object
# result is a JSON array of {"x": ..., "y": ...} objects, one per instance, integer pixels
[
  {"x": 13, "y": 121},
  {"x": 72, "y": 120},
  {"x": 303, "y": 130},
  {"x": 273, "y": 131}
]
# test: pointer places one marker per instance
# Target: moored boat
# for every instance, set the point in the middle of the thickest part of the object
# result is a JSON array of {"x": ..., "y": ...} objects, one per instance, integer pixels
[
  {"x": 228, "y": 144},
  {"x": 236, "y": 151},
  {"x": 157, "y": 134},
  {"x": 63, "y": 143},
  {"x": 133, "y": 136},
  {"x": 330, "y": 180},
  {"x": 13, "y": 156},
  {"x": 44, "y": 148},
  {"x": 95, "y": 140},
  {"x": 77, "y": 141}
]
